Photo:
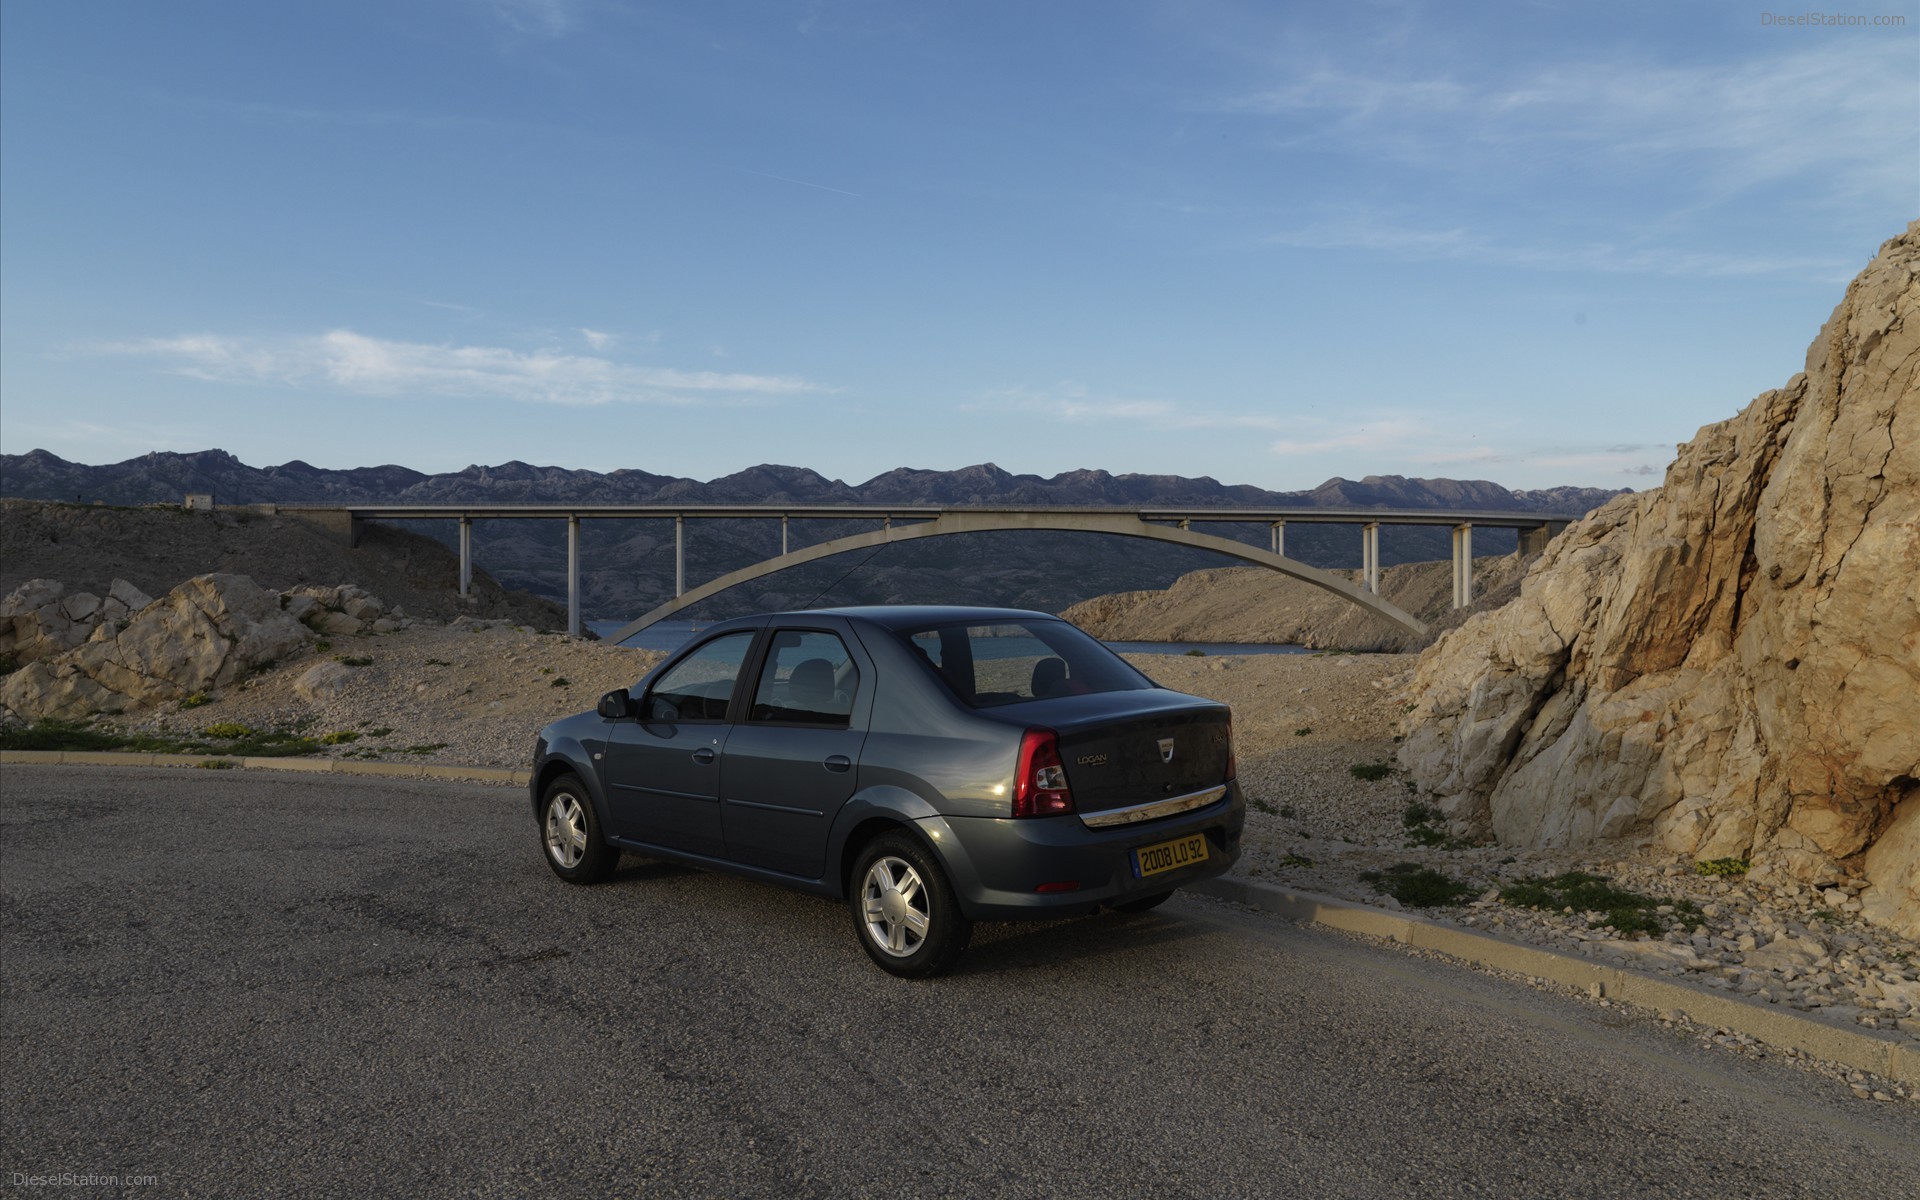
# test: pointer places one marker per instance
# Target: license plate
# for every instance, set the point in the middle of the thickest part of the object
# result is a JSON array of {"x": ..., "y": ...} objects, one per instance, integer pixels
[{"x": 1169, "y": 856}]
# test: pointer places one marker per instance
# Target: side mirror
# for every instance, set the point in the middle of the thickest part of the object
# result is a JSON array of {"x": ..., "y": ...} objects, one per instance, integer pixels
[{"x": 616, "y": 705}]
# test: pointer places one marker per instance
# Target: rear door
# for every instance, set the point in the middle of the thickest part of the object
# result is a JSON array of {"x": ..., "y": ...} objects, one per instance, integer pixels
[
  {"x": 792, "y": 762},
  {"x": 663, "y": 768}
]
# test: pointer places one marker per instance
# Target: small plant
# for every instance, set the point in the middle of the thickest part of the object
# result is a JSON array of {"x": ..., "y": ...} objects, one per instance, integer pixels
[
  {"x": 339, "y": 737},
  {"x": 1296, "y": 860},
  {"x": 1826, "y": 914},
  {"x": 561, "y": 681},
  {"x": 323, "y": 645},
  {"x": 8, "y": 664},
  {"x": 380, "y": 732},
  {"x": 1371, "y": 772},
  {"x": 1416, "y": 886},
  {"x": 1628, "y": 912},
  {"x": 438, "y": 662},
  {"x": 1196, "y": 652},
  {"x": 1303, "y": 731},
  {"x": 1427, "y": 835},
  {"x": 1265, "y": 806},
  {"x": 216, "y": 764},
  {"x": 352, "y": 660},
  {"x": 546, "y": 670},
  {"x": 227, "y": 731},
  {"x": 1722, "y": 866},
  {"x": 1417, "y": 813},
  {"x": 1286, "y": 810},
  {"x": 196, "y": 700}
]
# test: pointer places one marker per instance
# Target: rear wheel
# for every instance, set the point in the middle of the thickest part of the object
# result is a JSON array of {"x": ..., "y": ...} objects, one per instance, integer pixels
[
  {"x": 904, "y": 909},
  {"x": 1143, "y": 903},
  {"x": 570, "y": 834}
]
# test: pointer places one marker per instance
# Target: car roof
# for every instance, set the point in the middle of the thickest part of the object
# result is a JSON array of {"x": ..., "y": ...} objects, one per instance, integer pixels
[{"x": 920, "y": 616}]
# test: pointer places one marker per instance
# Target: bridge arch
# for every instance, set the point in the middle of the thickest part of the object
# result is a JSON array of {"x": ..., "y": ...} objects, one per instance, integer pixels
[{"x": 947, "y": 524}]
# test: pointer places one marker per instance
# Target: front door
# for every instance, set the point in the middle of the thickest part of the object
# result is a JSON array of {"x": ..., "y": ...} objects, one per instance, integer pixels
[
  {"x": 793, "y": 762},
  {"x": 663, "y": 768}
]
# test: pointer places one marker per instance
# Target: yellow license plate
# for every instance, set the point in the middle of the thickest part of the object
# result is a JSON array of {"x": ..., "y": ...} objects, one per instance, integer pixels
[{"x": 1169, "y": 856}]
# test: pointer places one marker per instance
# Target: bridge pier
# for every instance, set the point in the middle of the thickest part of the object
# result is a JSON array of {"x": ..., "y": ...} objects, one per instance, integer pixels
[
  {"x": 1462, "y": 565},
  {"x": 573, "y": 576},
  {"x": 466, "y": 556},
  {"x": 1280, "y": 538},
  {"x": 680, "y": 555},
  {"x": 1370, "y": 556},
  {"x": 1535, "y": 539},
  {"x": 783, "y": 535}
]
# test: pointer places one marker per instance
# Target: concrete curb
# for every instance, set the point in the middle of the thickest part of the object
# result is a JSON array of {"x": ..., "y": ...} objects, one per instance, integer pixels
[
  {"x": 1865, "y": 1049},
  {"x": 306, "y": 766}
]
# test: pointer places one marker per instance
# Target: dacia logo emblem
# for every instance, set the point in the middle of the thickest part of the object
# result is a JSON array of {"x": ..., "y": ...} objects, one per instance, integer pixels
[{"x": 1166, "y": 750}]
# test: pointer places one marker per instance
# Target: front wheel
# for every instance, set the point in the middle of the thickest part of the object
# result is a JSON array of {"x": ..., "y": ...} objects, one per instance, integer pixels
[
  {"x": 570, "y": 834},
  {"x": 904, "y": 909}
]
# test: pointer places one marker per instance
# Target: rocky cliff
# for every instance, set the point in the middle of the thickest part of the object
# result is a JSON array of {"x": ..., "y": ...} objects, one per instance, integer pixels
[{"x": 1728, "y": 665}]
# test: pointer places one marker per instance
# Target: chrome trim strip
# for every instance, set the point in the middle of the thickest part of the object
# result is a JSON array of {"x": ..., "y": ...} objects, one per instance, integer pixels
[{"x": 1153, "y": 809}]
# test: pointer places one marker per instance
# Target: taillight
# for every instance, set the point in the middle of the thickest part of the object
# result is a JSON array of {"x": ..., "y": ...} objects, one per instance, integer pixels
[
  {"x": 1233, "y": 766},
  {"x": 1040, "y": 779}
]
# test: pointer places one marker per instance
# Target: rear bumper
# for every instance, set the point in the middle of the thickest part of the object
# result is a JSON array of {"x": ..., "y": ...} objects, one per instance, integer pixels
[{"x": 996, "y": 863}]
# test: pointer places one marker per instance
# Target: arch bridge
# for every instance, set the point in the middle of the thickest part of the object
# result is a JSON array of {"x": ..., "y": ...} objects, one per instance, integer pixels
[{"x": 903, "y": 523}]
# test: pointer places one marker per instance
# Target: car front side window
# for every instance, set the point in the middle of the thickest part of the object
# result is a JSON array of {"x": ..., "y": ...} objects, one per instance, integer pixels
[{"x": 699, "y": 687}]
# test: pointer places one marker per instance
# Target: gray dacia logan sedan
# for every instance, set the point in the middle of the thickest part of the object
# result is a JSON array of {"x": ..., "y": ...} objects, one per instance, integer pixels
[{"x": 932, "y": 767}]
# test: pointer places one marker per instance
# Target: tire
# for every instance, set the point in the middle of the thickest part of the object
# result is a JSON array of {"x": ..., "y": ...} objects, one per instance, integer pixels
[
  {"x": 570, "y": 837},
  {"x": 904, "y": 909},
  {"x": 1143, "y": 903}
]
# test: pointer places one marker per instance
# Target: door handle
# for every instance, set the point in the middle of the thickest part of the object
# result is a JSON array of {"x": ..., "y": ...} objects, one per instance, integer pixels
[
  {"x": 703, "y": 755},
  {"x": 838, "y": 762}
]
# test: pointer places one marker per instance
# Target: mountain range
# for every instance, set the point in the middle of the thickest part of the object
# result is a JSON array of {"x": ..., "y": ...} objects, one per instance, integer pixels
[{"x": 629, "y": 564}]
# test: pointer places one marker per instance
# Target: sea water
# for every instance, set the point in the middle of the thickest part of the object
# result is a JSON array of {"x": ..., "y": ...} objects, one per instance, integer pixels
[{"x": 668, "y": 636}]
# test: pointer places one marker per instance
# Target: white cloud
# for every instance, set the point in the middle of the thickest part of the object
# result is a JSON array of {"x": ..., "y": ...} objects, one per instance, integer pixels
[
  {"x": 1384, "y": 235},
  {"x": 1835, "y": 117},
  {"x": 597, "y": 339},
  {"x": 353, "y": 362}
]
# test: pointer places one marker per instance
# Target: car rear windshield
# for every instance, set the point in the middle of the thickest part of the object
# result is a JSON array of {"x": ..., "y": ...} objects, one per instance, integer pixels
[{"x": 1010, "y": 661}]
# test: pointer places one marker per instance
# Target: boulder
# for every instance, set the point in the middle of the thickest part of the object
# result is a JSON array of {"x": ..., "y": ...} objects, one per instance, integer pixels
[
  {"x": 210, "y": 631},
  {"x": 36, "y": 622},
  {"x": 1725, "y": 665},
  {"x": 322, "y": 683}
]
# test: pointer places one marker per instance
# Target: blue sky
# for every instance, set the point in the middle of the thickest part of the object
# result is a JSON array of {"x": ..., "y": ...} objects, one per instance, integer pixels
[{"x": 1537, "y": 243}]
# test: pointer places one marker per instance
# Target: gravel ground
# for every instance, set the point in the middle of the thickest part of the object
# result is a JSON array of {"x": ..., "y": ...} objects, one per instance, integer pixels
[{"x": 476, "y": 695}]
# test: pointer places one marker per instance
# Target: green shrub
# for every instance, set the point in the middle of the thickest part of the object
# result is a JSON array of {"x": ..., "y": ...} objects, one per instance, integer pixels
[
  {"x": 1296, "y": 860},
  {"x": 438, "y": 662},
  {"x": 1628, "y": 912},
  {"x": 1722, "y": 866},
  {"x": 339, "y": 737},
  {"x": 1416, "y": 886},
  {"x": 349, "y": 660},
  {"x": 1417, "y": 813},
  {"x": 381, "y": 732},
  {"x": 561, "y": 681},
  {"x": 196, "y": 700},
  {"x": 1303, "y": 731},
  {"x": 52, "y": 734},
  {"x": 1265, "y": 806},
  {"x": 1196, "y": 652},
  {"x": 1371, "y": 772},
  {"x": 226, "y": 731}
]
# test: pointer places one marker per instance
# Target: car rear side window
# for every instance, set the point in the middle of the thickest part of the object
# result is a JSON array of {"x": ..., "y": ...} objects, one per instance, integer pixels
[
  {"x": 809, "y": 679},
  {"x": 1011, "y": 661},
  {"x": 698, "y": 687}
]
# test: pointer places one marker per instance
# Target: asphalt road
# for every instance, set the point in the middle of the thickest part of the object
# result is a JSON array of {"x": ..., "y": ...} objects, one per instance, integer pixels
[{"x": 252, "y": 984}]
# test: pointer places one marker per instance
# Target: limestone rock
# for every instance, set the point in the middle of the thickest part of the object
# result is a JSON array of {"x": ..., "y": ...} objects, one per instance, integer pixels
[
  {"x": 208, "y": 632},
  {"x": 1726, "y": 664},
  {"x": 322, "y": 683}
]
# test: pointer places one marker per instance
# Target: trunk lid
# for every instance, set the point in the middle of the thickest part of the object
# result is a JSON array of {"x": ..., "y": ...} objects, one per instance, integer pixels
[{"x": 1126, "y": 748}]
